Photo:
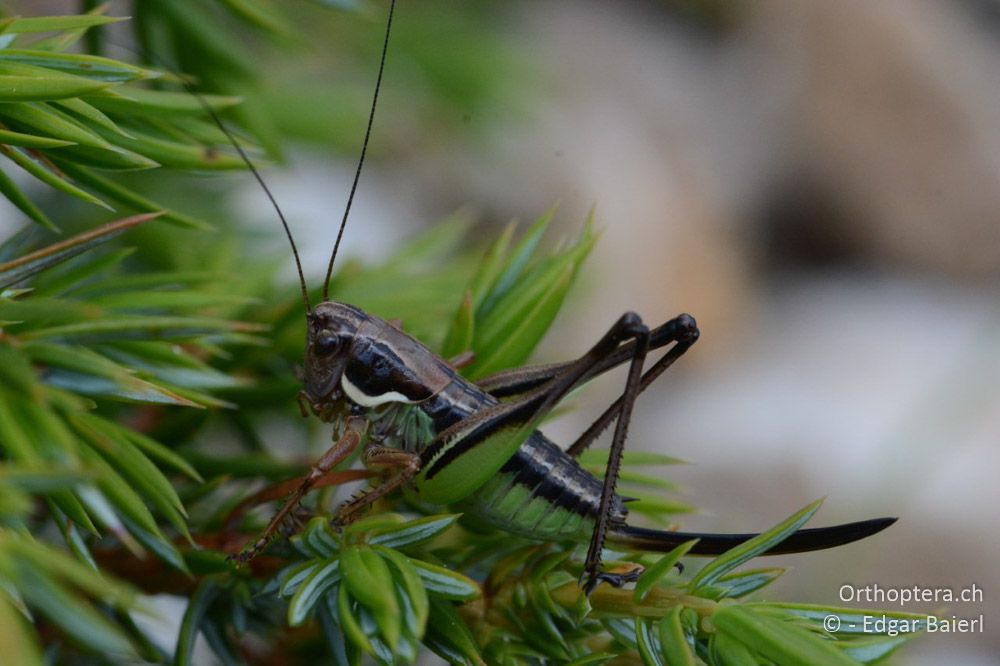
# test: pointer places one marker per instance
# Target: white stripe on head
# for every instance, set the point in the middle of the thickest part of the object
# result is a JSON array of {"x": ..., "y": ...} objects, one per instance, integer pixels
[{"x": 360, "y": 397}]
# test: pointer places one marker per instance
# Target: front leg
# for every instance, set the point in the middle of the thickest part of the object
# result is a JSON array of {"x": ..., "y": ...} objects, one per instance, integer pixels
[
  {"x": 400, "y": 467},
  {"x": 353, "y": 433}
]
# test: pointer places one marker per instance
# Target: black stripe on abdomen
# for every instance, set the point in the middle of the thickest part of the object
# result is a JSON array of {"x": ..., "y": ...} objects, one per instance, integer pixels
[{"x": 540, "y": 466}]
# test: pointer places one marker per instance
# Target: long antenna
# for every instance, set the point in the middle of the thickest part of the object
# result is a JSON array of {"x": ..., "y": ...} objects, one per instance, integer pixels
[
  {"x": 361, "y": 160},
  {"x": 256, "y": 174},
  {"x": 246, "y": 159}
]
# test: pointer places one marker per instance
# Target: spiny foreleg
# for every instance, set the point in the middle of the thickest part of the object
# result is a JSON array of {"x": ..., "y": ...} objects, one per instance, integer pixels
[
  {"x": 400, "y": 466},
  {"x": 354, "y": 432}
]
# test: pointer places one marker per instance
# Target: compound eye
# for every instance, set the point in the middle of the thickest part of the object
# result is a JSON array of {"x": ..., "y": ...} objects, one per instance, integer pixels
[{"x": 326, "y": 344}]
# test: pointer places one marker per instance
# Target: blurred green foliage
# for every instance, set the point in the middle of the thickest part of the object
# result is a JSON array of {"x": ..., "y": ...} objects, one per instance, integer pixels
[{"x": 142, "y": 362}]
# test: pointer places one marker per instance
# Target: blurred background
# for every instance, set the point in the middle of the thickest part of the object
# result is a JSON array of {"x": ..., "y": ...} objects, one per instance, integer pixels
[{"x": 817, "y": 183}]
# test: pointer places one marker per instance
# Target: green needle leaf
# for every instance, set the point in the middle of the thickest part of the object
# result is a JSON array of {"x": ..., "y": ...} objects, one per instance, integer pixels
[
  {"x": 87, "y": 66},
  {"x": 740, "y": 584},
  {"x": 874, "y": 648},
  {"x": 14, "y": 194},
  {"x": 292, "y": 577},
  {"x": 462, "y": 332},
  {"x": 654, "y": 574},
  {"x": 140, "y": 102},
  {"x": 449, "y": 636},
  {"x": 409, "y": 580},
  {"x": 57, "y": 23},
  {"x": 493, "y": 262},
  {"x": 12, "y": 272},
  {"x": 778, "y": 641},
  {"x": 414, "y": 531},
  {"x": 33, "y": 88},
  {"x": 730, "y": 652},
  {"x": 116, "y": 192},
  {"x": 46, "y": 120},
  {"x": 138, "y": 327},
  {"x": 446, "y": 583},
  {"x": 852, "y": 620},
  {"x": 202, "y": 597},
  {"x": 734, "y": 557},
  {"x": 311, "y": 589},
  {"x": 16, "y": 644},
  {"x": 49, "y": 177},
  {"x": 261, "y": 16},
  {"x": 128, "y": 460},
  {"x": 318, "y": 539},
  {"x": 31, "y": 140},
  {"x": 348, "y": 621},
  {"x": 517, "y": 264},
  {"x": 593, "y": 659},
  {"x": 648, "y": 642},
  {"x": 73, "y": 615},
  {"x": 673, "y": 639},
  {"x": 367, "y": 578}
]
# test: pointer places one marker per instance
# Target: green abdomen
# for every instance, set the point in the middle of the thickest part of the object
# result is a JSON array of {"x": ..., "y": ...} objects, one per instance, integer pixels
[{"x": 541, "y": 493}]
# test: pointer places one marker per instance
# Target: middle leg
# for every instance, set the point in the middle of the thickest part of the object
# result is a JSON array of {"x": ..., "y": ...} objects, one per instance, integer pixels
[
  {"x": 354, "y": 432},
  {"x": 401, "y": 466}
]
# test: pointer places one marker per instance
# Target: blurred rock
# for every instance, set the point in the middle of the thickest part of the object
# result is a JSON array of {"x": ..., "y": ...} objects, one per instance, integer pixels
[{"x": 895, "y": 123}]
